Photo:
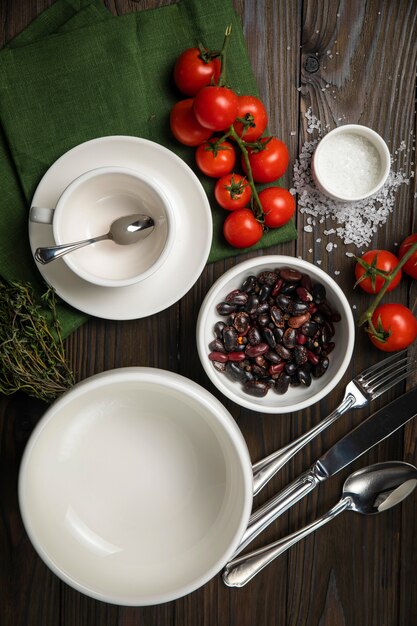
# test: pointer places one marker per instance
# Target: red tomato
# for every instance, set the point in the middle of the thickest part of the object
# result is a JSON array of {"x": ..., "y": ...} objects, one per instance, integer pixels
[
  {"x": 410, "y": 267},
  {"x": 232, "y": 192},
  {"x": 269, "y": 163},
  {"x": 397, "y": 324},
  {"x": 278, "y": 205},
  {"x": 381, "y": 260},
  {"x": 192, "y": 71},
  {"x": 241, "y": 229},
  {"x": 253, "y": 109},
  {"x": 216, "y": 107},
  {"x": 215, "y": 162},
  {"x": 185, "y": 127}
]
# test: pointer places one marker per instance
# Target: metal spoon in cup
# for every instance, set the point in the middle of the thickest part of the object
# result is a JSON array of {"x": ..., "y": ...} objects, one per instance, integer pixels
[
  {"x": 371, "y": 490},
  {"x": 123, "y": 231}
]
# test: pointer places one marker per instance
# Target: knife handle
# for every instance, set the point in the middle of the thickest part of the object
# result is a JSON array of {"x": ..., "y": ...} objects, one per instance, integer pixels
[
  {"x": 272, "y": 509},
  {"x": 241, "y": 570}
]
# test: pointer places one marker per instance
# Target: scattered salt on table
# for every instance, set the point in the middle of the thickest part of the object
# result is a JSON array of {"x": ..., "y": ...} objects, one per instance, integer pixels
[{"x": 355, "y": 222}]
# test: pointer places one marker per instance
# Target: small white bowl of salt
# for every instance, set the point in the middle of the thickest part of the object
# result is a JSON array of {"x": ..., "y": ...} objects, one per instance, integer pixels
[{"x": 351, "y": 163}]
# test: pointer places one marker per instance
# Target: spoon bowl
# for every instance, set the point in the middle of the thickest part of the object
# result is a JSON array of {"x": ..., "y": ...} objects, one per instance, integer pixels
[
  {"x": 123, "y": 231},
  {"x": 379, "y": 487}
]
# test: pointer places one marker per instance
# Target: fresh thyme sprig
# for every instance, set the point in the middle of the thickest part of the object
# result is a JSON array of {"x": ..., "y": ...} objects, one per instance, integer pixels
[{"x": 32, "y": 356}]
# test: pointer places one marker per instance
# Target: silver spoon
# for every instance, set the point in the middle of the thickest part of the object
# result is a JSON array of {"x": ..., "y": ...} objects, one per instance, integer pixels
[
  {"x": 123, "y": 231},
  {"x": 370, "y": 490}
]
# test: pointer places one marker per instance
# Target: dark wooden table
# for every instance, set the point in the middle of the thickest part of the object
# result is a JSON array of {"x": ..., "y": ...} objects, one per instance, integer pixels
[{"x": 357, "y": 571}]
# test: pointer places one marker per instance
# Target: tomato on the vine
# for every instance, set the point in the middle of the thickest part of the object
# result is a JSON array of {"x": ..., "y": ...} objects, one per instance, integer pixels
[
  {"x": 253, "y": 110},
  {"x": 241, "y": 229},
  {"x": 215, "y": 160},
  {"x": 215, "y": 107},
  {"x": 278, "y": 206},
  {"x": 232, "y": 192},
  {"x": 372, "y": 260},
  {"x": 397, "y": 326},
  {"x": 269, "y": 162},
  {"x": 184, "y": 125},
  {"x": 410, "y": 267},
  {"x": 194, "y": 69}
]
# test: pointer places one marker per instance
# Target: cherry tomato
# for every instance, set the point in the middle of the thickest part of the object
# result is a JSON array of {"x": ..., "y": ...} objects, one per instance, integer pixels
[
  {"x": 216, "y": 107},
  {"x": 381, "y": 260},
  {"x": 252, "y": 108},
  {"x": 185, "y": 127},
  {"x": 269, "y": 163},
  {"x": 278, "y": 205},
  {"x": 397, "y": 323},
  {"x": 232, "y": 192},
  {"x": 215, "y": 162},
  {"x": 192, "y": 71},
  {"x": 241, "y": 229},
  {"x": 410, "y": 267}
]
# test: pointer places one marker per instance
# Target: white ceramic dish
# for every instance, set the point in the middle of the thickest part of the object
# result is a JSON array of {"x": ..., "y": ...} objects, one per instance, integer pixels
[
  {"x": 351, "y": 152},
  {"x": 136, "y": 486},
  {"x": 296, "y": 398},
  {"x": 190, "y": 248}
]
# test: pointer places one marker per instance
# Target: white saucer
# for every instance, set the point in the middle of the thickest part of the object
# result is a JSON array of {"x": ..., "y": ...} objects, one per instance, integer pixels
[{"x": 193, "y": 228}]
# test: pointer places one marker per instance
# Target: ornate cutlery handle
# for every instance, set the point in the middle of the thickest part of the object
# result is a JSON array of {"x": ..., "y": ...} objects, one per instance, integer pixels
[
  {"x": 241, "y": 570},
  {"x": 266, "y": 468},
  {"x": 280, "y": 503}
]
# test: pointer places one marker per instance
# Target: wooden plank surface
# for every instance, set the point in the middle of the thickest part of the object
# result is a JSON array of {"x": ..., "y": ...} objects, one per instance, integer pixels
[{"x": 356, "y": 571}]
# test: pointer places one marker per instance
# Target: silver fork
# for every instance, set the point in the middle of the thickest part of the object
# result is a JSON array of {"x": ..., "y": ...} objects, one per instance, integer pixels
[{"x": 366, "y": 386}]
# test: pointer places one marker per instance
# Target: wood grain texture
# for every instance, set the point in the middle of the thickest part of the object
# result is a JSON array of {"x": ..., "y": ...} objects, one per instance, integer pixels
[{"x": 356, "y": 571}]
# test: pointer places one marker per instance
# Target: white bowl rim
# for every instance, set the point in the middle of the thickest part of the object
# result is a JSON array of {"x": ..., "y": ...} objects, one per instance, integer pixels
[
  {"x": 203, "y": 340},
  {"x": 170, "y": 380},
  {"x": 365, "y": 131},
  {"x": 148, "y": 181}
]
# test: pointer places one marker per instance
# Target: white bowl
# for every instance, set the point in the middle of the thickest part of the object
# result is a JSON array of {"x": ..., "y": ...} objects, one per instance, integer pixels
[
  {"x": 87, "y": 208},
  {"x": 351, "y": 154},
  {"x": 136, "y": 486},
  {"x": 296, "y": 398}
]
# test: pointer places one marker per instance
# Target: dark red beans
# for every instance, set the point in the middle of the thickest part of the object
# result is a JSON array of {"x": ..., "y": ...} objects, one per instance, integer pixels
[
  {"x": 256, "y": 388},
  {"x": 242, "y": 322},
  {"x": 278, "y": 332},
  {"x": 282, "y": 383},
  {"x": 230, "y": 338},
  {"x": 254, "y": 351},
  {"x": 222, "y": 357}
]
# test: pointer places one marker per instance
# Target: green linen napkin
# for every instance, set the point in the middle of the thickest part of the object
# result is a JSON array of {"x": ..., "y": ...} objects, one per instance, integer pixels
[{"x": 78, "y": 73}]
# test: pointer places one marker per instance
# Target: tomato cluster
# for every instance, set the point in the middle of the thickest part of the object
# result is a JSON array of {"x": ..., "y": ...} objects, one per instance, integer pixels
[
  {"x": 240, "y": 122},
  {"x": 391, "y": 326}
]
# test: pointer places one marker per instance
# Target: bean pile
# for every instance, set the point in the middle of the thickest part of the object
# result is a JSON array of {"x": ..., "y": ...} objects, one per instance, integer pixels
[{"x": 278, "y": 332}]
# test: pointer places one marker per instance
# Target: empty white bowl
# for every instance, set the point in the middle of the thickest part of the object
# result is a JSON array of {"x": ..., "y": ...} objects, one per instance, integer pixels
[
  {"x": 136, "y": 486},
  {"x": 351, "y": 163},
  {"x": 296, "y": 398},
  {"x": 87, "y": 208}
]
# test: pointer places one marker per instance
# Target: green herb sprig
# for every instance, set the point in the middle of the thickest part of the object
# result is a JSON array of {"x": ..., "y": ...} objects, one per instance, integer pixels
[{"x": 32, "y": 356}]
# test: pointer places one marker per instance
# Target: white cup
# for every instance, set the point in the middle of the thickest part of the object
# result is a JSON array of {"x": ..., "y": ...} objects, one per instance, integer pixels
[
  {"x": 351, "y": 163},
  {"x": 87, "y": 208}
]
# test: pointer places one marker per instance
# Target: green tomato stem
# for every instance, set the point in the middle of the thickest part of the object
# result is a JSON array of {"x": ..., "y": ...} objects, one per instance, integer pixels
[
  {"x": 259, "y": 213},
  {"x": 366, "y": 317},
  {"x": 222, "y": 77}
]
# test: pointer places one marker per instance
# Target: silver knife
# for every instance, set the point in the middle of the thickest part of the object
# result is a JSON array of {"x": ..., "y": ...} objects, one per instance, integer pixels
[{"x": 368, "y": 434}]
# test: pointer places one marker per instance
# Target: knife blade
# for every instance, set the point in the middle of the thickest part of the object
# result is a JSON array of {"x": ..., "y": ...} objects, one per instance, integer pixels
[{"x": 368, "y": 434}]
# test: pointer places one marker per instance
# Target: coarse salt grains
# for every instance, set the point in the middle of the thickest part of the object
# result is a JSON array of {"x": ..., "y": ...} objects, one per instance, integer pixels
[{"x": 350, "y": 163}]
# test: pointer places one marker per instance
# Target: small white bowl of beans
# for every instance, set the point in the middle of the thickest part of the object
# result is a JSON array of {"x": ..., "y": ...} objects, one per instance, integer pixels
[{"x": 275, "y": 334}]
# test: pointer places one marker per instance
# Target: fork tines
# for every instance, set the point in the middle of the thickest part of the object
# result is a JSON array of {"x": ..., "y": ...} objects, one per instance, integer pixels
[{"x": 383, "y": 375}]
